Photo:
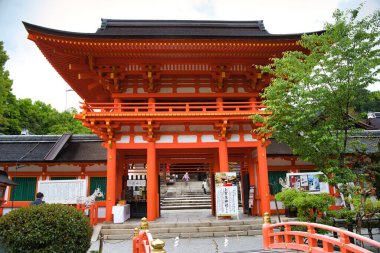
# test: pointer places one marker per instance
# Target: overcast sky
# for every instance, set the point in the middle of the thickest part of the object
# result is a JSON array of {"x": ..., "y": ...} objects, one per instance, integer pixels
[{"x": 33, "y": 77}]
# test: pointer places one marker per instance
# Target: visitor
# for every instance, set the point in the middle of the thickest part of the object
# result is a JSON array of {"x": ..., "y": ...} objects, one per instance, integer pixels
[
  {"x": 38, "y": 200},
  {"x": 205, "y": 186},
  {"x": 186, "y": 177}
]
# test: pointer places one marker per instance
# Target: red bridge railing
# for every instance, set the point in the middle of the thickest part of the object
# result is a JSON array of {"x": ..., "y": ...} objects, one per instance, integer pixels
[
  {"x": 143, "y": 241},
  {"x": 281, "y": 236}
]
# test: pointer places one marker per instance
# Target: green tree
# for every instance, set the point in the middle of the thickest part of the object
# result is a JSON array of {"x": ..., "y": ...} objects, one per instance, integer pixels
[
  {"x": 313, "y": 91},
  {"x": 7, "y": 99},
  {"x": 37, "y": 117},
  {"x": 67, "y": 123}
]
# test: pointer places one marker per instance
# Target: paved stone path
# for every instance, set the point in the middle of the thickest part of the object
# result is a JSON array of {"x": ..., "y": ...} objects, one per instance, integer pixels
[{"x": 190, "y": 245}]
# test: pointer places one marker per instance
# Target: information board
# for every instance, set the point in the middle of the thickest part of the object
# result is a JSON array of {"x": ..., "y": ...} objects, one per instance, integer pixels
[
  {"x": 62, "y": 191},
  {"x": 307, "y": 181},
  {"x": 226, "y": 193},
  {"x": 227, "y": 201}
]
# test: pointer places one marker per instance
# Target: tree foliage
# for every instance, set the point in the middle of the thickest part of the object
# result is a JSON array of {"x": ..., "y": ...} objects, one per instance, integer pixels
[
  {"x": 37, "y": 117},
  {"x": 313, "y": 91},
  {"x": 7, "y": 99}
]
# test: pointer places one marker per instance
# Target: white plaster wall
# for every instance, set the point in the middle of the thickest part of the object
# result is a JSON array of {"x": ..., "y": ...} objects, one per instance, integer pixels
[
  {"x": 140, "y": 90},
  {"x": 138, "y": 129},
  {"x": 66, "y": 168},
  {"x": 139, "y": 139},
  {"x": 129, "y": 90},
  {"x": 208, "y": 138},
  {"x": 201, "y": 128},
  {"x": 234, "y": 138},
  {"x": 241, "y": 90},
  {"x": 205, "y": 90},
  {"x": 101, "y": 212},
  {"x": 27, "y": 168},
  {"x": 125, "y": 129},
  {"x": 96, "y": 167},
  {"x": 248, "y": 137},
  {"x": 124, "y": 139},
  {"x": 230, "y": 90},
  {"x": 166, "y": 90},
  {"x": 166, "y": 139},
  {"x": 174, "y": 128},
  {"x": 187, "y": 138},
  {"x": 186, "y": 90}
]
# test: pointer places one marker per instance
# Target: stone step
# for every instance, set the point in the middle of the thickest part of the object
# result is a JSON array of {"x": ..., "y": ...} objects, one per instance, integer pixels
[
  {"x": 184, "y": 200},
  {"x": 189, "y": 197},
  {"x": 163, "y": 235},
  {"x": 156, "y": 224},
  {"x": 187, "y": 203},
  {"x": 181, "y": 207}
]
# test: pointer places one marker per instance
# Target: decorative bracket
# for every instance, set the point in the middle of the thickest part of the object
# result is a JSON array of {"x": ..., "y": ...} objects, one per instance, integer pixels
[
  {"x": 254, "y": 76},
  {"x": 150, "y": 127},
  {"x": 151, "y": 77},
  {"x": 220, "y": 74},
  {"x": 223, "y": 129}
]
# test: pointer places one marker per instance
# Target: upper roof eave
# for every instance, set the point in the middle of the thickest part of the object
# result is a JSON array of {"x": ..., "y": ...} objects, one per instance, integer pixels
[{"x": 31, "y": 28}]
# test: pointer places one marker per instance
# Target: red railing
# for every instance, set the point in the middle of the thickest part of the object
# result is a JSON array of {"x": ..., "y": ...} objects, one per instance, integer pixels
[
  {"x": 173, "y": 107},
  {"x": 281, "y": 236},
  {"x": 93, "y": 212},
  {"x": 143, "y": 241}
]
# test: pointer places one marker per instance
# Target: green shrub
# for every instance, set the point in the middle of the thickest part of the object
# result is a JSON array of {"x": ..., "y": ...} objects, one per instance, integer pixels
[
  {"x": 45, "y": 229},
  {"x": 308, "y": 205}
]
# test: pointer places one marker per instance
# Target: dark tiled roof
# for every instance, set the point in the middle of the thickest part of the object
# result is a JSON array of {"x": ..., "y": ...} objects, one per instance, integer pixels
[
  {"x": 277, "y": 148},
  {"x": 112, "y": 28},
  {"x": 370, "y": 139},
  {"x": 34, "y": 148},
  {"x": 83, "y": 151}
]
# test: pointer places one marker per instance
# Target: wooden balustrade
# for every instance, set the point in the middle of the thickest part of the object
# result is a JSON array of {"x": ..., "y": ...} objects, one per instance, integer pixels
[
  {"x": 173, "y": 107},
  {"x": 281, "y": 236},
  {"x": 93, "y": 212}
]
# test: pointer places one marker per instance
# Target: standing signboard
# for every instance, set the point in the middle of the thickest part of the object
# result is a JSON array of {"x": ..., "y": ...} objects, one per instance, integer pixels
[{"x": 226, "y": 194}]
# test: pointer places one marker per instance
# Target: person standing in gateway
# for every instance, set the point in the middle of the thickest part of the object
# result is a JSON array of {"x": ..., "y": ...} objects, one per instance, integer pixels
[
  {"x": 38, "y": 200},
  {"x": 186, "y": 178}
]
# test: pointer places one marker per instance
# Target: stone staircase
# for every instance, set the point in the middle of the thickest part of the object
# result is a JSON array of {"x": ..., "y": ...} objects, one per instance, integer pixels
[
  {"x": 188, "y": 200},
  {"x": 165, "y": 230},
  {"x": 181, "y": 196}
]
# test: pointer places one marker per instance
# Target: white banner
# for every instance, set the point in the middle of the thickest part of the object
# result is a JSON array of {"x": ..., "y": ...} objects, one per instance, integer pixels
[
  {"x": 62, "y": 191},
  {"x": 136, "y": 182},
  {"x": 227, "y": 201}
]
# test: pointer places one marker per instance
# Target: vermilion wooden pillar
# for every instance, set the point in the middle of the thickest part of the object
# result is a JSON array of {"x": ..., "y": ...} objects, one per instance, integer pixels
[
  {"x": 263, "y": 178},
  {"x": 251, "y": 173},
  {"x": 111, "y": 181},
  {"x": 223, "y": 156},
  {"x": 152, "y": 182}
]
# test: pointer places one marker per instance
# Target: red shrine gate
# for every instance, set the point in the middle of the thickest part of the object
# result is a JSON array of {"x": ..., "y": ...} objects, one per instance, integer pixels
[{"x": 161, "y": 92}]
